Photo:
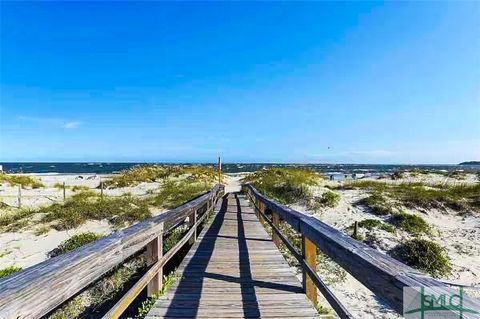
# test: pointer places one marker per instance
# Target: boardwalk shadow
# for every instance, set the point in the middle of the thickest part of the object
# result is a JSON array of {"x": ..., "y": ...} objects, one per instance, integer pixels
[{"x": 190, "y": 295}]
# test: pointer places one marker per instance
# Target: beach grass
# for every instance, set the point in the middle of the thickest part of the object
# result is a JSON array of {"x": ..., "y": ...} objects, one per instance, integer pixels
[
  {"x": 411, "y": 223},
  {"x": 462, "y": 198},
  {"x": 74, "y": 242},
  {"x": 173, "y": 193},
  {"x": 330, "y": 199},
  {"x": 154, "y": 173},
  {"x": 7, "y": 271},
  {"x": 371, "y": 224},
  {"x": 286, "y": 185},
  {"x": 378, "y": 204},
  {"x": 22, "y": 180},
  {"x": 119, "y": 211}
]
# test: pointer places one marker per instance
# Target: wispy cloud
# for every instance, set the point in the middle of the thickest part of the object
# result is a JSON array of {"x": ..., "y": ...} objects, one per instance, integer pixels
[
  {"x": 71, "y": 125},
  {"x": 55, "y": 122}
]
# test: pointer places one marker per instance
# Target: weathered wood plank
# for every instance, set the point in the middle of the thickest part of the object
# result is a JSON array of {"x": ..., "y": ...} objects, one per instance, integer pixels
[{"x": 227, "y": 274}]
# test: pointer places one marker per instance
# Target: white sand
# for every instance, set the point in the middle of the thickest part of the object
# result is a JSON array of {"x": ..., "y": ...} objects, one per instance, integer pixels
[
  {"x": 25, "y": 249},
  {"x": 460, "y": 236}
]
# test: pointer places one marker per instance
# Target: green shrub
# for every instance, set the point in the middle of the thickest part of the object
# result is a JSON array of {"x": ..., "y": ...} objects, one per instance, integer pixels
[
  {"x": 286, "y": 185},
  {"x": 378, "y": 204},
  {"x": 9, "y": 270},
  {"x": 74, "y": 242},
  {"x": 22, "y": 180},
  {"x": 413, "y": 224},
  {"x": 330, "y": 199},
  {"x": 424, "y": 255}
]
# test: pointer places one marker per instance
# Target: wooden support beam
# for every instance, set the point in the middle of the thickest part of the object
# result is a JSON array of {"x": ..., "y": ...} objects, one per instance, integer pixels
[
  {"x": 309, "y": 252},
  {"x": 154, "y": 254},
  {"x": 276, "y": 222}
]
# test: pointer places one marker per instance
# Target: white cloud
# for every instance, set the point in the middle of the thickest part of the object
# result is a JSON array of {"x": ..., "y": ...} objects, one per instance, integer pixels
[
  {"x": 62, "y": 123},
  {"x": 71, "y": 125}
]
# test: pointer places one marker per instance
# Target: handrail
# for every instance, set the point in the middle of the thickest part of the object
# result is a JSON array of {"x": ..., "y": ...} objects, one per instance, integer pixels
[
  {"x": 39, "y": 289},
  {"x": 383, "y": 275}
]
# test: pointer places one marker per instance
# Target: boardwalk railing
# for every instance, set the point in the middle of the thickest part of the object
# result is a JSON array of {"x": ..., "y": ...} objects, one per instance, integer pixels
[
  {"x": 35, "y": 291},
  {"x": 383, "y": 275}
]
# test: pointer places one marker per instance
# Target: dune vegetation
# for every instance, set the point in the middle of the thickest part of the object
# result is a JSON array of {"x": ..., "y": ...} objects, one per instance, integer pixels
[
  {"x": 286, "y": 185},
  {"x": 177, "y": 185},
  {"x": 23, "y": 180},
  {"x": 7, "y": 271},
  {"x": 159, "y": 173},
  {"x": 465, "y": 199},
  {"x": 424, "y": 255}
]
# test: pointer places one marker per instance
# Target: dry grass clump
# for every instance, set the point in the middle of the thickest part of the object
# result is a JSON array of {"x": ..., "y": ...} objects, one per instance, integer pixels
[
  {"x": 152, "y": 173},
  {"x": 119, "y": 211},
  {"x": 22, "y": 180},
  {"x": 286, "y": 185},
  {"x": 173, "y": 193},
  {"x": 15, "y": 220},
  {"x": 139, "y": 174}
]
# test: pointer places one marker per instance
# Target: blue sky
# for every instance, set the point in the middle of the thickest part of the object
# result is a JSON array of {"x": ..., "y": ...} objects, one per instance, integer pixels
[{"x": 323, "y": 82}]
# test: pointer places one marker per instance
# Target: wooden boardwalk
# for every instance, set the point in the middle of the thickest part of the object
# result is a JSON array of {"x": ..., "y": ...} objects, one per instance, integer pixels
[{"x": 234, "y": 270}]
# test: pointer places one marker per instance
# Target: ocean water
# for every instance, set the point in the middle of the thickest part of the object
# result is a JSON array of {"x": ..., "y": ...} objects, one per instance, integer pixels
[{"x": 330, "y": 169}]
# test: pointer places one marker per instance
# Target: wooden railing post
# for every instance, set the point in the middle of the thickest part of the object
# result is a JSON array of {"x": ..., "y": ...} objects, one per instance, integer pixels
[
  {"x": 276, "y": 223},
  {"x": 154, "y": 253},
  {"x": 192, "y": 220},
  {"x": 309, "y": 252}
]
